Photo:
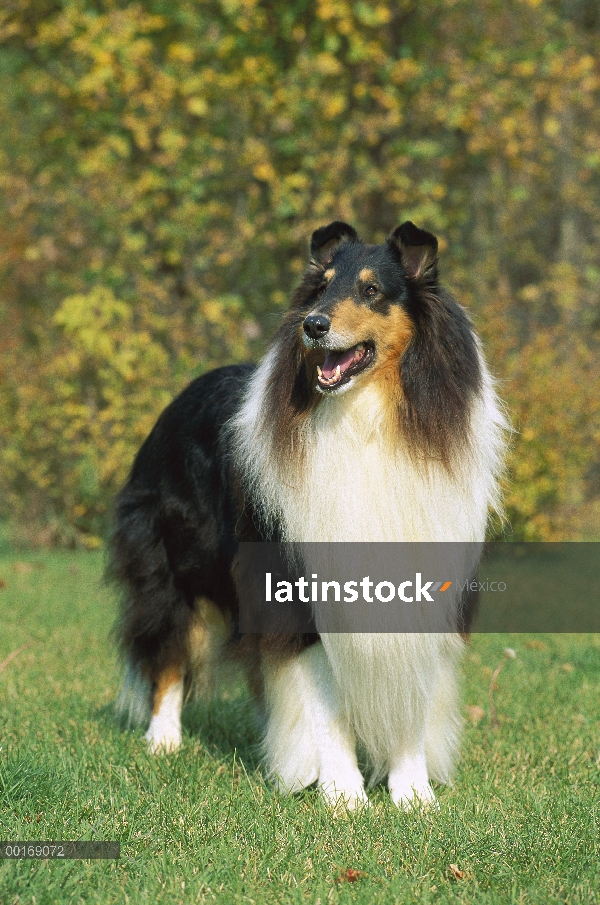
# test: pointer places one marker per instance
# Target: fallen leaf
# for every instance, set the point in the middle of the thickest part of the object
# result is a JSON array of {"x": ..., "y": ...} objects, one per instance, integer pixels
[
  {"x": 535, "y": 645},
  {"x": 2, "y": 583},
  {"x": 568, "y": 667},
  {"x": 350, "y": 875},
  {"x": 475, "y": 713},
  {"x": 14, "y": 654},
  {"x": 456, "y": 873},
  {"x": 23, "y": 568}
]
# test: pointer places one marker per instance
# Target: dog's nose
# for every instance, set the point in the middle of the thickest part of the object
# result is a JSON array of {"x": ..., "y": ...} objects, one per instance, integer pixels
[{"x": 316, "y": 325}]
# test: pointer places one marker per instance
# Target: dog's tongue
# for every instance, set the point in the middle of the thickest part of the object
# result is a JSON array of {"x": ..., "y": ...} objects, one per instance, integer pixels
[{"x": 343, "y": 359}]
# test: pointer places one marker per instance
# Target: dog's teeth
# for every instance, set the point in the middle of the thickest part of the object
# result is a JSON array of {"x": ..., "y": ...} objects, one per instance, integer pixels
[
  {"x": 319, "y": 372},
  {"x": 360, "y": 347},
  {"x": 338, "y": 373}
]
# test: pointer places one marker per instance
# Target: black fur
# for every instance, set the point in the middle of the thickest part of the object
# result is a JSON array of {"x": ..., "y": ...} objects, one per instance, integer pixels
[
  {"x": 440, "y": 375},
  {"x": 175, "y": 522},
  {"x": 440, "y": 369},
  {"x": 326, "y": 241}
]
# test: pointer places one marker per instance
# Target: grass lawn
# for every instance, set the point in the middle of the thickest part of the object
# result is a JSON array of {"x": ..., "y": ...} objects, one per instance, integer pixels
[{"x": 521, "y": 823}]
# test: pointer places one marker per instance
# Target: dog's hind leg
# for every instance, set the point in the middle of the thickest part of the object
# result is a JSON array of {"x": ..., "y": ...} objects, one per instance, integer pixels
[
  {"x": 209, "y": 632},
  {"x": 195, "y": 675},
  {"x": 308, "y": 738},
  {"x": 164, "y": 731}
]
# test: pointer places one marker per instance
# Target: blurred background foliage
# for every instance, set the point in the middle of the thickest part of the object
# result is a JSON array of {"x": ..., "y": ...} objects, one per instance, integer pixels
[{"x": 163, "y": 164}]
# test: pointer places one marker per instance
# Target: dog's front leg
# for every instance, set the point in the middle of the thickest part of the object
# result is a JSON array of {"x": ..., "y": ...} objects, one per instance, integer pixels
[
  {"x": 408, "y": 779},
  {"x": 308, "y": 737}
]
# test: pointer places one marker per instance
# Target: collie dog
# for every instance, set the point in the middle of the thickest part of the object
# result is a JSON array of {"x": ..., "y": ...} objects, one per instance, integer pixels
[{"x": 372, "y": 418}]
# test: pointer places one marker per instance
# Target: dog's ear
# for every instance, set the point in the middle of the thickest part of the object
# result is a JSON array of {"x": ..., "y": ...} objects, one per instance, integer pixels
[
  {"x": 325, "y": 241},
  {"x": 418, "y": 250},
  {"x": 440, "y": 369}
]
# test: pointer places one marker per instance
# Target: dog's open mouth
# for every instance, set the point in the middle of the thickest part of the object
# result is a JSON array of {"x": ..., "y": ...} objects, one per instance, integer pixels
[{"x": 341, "y": 366}]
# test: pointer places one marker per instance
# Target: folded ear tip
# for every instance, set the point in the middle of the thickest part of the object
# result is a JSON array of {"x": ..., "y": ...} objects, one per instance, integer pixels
[
  {"x": 409, "y": 234},
  {"x": 325, "y": 240},
  {"x": 418, "y": 249},
  {"x": 408, "y": 227},
  {"x": 333, "y": 230}
]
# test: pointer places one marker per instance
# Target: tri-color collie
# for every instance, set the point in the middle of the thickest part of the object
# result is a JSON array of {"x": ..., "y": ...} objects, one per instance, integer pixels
[{"x": 371, "y": 418}]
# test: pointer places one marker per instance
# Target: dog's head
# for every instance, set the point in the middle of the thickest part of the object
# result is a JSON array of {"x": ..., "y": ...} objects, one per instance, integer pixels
[
  {"x": 360, "y": 300},
  {"x": 376, "y": 312}
]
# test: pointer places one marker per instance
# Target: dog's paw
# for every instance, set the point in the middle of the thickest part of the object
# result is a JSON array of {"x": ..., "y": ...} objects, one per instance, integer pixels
[
  {"x": 163, "y": 740},
  {"x": 413, "y": 797},
  {"x": 343, "y": 797}
]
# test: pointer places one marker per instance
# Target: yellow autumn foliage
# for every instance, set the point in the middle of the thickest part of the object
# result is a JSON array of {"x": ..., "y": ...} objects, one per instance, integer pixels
[{"x": 162, "y": 167}]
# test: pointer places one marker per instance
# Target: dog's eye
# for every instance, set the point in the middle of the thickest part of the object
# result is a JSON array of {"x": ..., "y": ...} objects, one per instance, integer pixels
[{"x": 371, "y": 289}]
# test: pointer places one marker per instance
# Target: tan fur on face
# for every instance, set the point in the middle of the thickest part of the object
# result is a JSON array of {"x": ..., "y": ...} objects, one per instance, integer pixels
[
  {"x": 367, "y": 276},
  {"x": 390, "y": 332},
  {"x": 330, "y": 273}
]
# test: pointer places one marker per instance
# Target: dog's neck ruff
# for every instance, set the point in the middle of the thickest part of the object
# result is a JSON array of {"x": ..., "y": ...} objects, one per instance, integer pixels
[{"x": 348, "y": 475}]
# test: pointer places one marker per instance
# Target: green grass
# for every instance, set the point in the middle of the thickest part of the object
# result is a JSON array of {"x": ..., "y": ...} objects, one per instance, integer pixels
[{"x": 521, "y": 820}]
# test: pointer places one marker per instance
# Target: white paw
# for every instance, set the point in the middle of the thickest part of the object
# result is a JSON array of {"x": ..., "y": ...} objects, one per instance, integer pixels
[
  {"x": 163, "y": 739},
  {"x": 412, "y": 796},
  {"x": 408, "y": 782},
  {"x": 343, "y": 796}
]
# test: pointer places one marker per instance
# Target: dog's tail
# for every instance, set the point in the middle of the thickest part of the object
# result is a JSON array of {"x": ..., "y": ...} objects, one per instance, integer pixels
[
  {"x": 153, "y": 627},
  {"x": 133, "y": 703}
]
